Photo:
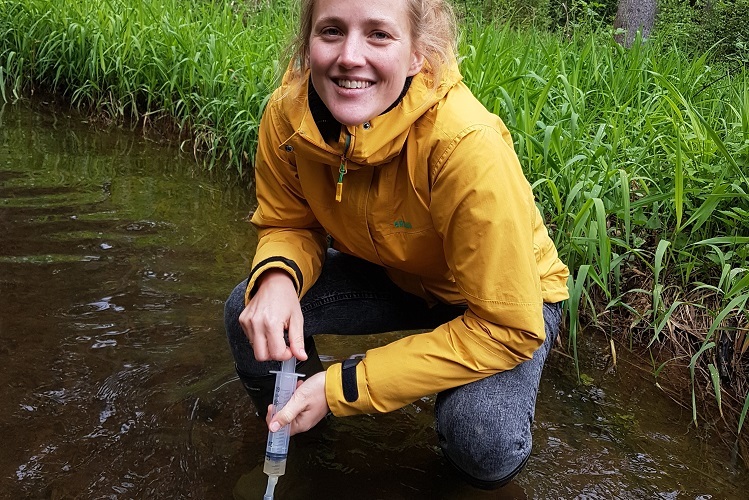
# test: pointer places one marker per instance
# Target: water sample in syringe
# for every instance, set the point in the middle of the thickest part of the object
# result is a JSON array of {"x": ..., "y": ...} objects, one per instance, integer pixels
[{"x": 278, "y": 442}]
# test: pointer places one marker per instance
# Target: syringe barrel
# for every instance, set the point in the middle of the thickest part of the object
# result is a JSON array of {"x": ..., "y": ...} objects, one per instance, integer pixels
[{"x": 278, "y": 442}]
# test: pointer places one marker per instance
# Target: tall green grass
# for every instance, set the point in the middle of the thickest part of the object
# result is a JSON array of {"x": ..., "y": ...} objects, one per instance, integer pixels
[
  {"x": 638, "y": 157},
  {"x": 208, "y": 65}
]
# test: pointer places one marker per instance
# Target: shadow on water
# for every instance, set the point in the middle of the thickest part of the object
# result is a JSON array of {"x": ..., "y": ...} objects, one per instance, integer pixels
[{"x": 116, "y": 255}]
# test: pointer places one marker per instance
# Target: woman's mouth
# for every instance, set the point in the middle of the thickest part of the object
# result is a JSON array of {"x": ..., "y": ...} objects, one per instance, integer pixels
[{"x": 353, "y": 84}]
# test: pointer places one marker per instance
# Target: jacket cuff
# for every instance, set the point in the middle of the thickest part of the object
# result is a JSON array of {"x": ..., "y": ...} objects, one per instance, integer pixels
[
  {"x": 334, "y": 393},
  {"x": 291, "y": 268}
]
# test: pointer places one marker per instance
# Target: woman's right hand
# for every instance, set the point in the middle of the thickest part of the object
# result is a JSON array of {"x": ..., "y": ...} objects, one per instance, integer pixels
[{"x": 273, "y": 309}]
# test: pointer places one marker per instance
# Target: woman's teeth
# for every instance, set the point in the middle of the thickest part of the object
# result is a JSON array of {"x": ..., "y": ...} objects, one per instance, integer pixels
[{"x": 353, "y": 84}]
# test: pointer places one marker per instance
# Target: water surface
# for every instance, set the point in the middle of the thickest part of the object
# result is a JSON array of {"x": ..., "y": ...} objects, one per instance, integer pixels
[{"x": 116, "y": 254}]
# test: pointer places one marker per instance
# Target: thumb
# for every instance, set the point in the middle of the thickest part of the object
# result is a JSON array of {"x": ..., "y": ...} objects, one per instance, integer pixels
[
  {"x": 286, "y": 414},
  {"x": 296, "y": 337}
]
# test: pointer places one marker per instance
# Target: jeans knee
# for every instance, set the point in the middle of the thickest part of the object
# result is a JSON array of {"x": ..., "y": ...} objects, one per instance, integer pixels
[
  {"x": 234, "y": 305},
  {"x": 487, "y": 465},
  {"x": 238, "y": 343}
]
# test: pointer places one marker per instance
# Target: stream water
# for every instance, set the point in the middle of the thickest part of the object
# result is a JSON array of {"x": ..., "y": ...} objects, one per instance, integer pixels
[{"x": 116, "y": 254}]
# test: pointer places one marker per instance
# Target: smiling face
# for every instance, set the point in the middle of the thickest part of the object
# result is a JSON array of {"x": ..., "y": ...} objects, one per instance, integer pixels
[{"x": 360, "y": 53}]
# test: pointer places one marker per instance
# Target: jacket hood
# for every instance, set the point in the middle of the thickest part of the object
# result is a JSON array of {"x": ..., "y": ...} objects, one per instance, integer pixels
[{"x": 371, "y": 143}]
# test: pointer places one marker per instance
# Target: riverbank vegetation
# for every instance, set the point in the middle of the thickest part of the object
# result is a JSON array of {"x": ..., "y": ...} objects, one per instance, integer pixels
[{"x": 638, "y": 156}]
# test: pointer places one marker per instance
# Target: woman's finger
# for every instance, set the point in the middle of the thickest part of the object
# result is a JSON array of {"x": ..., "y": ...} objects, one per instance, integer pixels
[
  {"x": 306, "y": 407},
  {"x": 288, "y": 413},
  {"x": 296, "y": 337}
]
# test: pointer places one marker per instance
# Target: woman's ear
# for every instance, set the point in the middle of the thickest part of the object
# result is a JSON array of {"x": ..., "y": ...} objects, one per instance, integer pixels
[{"x": 417, "y": 62}]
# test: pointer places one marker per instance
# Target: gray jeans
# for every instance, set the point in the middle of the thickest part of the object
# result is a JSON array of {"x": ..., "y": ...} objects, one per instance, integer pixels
[{"x": 484, "y": 428}]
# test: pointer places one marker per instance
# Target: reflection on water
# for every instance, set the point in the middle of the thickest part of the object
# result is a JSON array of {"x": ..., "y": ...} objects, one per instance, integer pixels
[
  {"x": 115, "y": 257},
  {"x": 114, "y": 262}
]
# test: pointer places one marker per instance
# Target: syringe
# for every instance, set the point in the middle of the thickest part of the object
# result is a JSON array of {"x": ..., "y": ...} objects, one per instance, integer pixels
[{"x": 278, "y": 442}]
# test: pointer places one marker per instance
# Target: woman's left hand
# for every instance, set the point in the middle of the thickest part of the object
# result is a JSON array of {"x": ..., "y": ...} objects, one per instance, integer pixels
[{"x": 305, "y": 409}]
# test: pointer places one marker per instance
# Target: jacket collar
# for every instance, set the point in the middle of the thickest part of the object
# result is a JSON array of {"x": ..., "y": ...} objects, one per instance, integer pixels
[
  {"x": 328, "y": 126},
  {"x": 370, "y": 144}
]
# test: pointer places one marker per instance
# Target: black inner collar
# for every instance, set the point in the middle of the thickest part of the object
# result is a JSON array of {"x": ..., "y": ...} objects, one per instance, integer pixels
[{"x": 329, "y": 127}]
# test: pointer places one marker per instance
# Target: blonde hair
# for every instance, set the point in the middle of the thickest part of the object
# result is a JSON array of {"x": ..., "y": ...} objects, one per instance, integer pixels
[{"x": 433, "y": 33}]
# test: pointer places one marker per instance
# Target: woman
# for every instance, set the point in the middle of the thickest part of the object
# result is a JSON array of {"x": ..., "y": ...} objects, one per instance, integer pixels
[{"x": 373, "y": 146}]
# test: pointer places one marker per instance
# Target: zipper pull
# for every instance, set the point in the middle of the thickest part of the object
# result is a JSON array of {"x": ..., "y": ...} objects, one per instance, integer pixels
[
  {"x": 341, "y": 172},
  {"x": 342, "y": 169}
]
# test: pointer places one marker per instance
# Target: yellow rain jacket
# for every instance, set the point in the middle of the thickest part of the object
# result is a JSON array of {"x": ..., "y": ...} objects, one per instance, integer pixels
[{"x": 434, "y": 193}]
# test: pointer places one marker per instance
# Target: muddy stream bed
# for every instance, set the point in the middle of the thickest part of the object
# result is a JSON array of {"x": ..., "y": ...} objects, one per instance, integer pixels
[{"x": 116, "y": 254}]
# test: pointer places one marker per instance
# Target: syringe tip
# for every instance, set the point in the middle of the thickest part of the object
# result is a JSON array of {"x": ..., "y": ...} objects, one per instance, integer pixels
[{"x": 272, "y": 480}]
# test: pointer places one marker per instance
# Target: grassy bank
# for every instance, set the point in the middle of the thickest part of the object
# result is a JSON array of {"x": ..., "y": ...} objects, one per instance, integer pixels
[
  {"x": 209, "y": 66},
  {"x": 638, "y": 157}
]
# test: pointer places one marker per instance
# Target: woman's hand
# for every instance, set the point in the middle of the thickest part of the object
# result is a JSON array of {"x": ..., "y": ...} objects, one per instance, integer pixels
[
  {"x": 273, "y": 309},
  {"x": 305, "y": 409}
]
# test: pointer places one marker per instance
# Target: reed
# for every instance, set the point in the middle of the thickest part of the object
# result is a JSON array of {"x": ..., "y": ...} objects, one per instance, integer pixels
[
  {"x": 637, "y": 157},
  {"x": 207, "y": 65}
]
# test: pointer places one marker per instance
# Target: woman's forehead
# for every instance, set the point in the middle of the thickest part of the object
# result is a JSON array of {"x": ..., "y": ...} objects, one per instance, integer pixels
[{"x": 369, "y": 11}]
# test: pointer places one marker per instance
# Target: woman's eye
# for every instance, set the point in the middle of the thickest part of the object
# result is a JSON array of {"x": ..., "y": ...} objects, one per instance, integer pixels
[
  {"x": 330, "y": 32},
  {"x": 380, "y": 35}
]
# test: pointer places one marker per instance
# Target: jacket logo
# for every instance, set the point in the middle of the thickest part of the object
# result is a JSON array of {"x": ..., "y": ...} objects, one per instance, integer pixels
[{"x": 402, "y": 223}]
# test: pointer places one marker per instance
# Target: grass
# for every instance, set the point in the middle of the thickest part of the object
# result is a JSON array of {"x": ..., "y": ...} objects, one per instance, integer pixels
[
  {"x": 208, "y": 66},
  {"x": 637, "y": 157}
]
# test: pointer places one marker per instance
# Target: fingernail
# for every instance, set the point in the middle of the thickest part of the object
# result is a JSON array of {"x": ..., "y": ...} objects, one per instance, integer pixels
[{"x": 274, "y": 426}]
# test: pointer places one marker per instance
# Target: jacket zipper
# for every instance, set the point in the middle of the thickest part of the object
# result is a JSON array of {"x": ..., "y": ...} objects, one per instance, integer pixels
[{"x": 342, "y": 169}]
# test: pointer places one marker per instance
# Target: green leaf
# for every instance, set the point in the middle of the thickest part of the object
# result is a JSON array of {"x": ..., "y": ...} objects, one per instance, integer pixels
[
  {"x": 716, "y": 385},
  {"x": 744, "y": 411},
  {"x": 692, "y": 364}
]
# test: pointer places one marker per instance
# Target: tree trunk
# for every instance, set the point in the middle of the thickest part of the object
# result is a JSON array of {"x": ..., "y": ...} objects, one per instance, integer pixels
[{"x": 633, "y": 16}]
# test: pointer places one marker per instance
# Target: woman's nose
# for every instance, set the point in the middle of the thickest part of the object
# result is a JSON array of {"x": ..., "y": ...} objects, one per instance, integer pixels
[{"x": 352, "y": 52}]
